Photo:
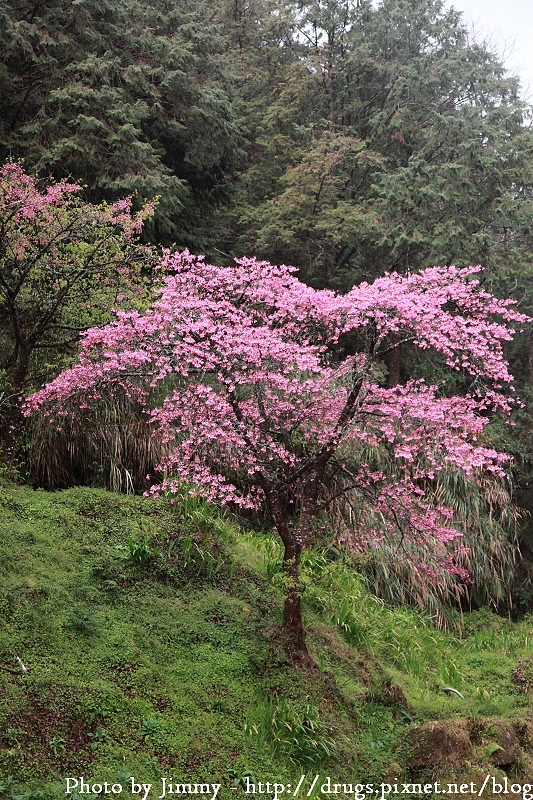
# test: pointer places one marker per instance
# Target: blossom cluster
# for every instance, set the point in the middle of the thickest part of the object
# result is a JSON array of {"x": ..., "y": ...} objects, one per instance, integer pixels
[{"x": 256, "y": 394}]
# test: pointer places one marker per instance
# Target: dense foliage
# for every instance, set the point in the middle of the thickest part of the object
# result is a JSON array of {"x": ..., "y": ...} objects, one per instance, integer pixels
[
  {"x": 123, "y": 97},
  {"x": 258, "y": 409},
  {"x": 346, "y": 138},
  {"x": 382, "y": 138}
]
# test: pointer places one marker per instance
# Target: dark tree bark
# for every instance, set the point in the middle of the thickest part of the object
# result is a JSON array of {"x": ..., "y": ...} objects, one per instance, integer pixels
[
  {"x": 394, "y": 360},
  {"x": 291, "y": 537},
  {"x": 292, "y": 610},
  {"x": 14, "y": 418}
]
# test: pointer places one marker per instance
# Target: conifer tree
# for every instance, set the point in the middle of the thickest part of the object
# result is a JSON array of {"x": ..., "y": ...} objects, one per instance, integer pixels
[
  {"x": 125, "y": 98},
  {"x": 390, "y": 141}
]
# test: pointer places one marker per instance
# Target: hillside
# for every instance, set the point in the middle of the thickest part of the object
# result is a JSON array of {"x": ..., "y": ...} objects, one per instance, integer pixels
[{"x": 150, "y": 636}]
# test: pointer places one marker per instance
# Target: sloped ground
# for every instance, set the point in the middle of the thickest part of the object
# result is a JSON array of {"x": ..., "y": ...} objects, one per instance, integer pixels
[{"x": 150, "y": 635}]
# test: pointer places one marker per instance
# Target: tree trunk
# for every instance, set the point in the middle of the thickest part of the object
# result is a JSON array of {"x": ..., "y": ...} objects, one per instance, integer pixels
[
  {"x": 291, "y": 537},
  {"x": 394, "y": 361},
  {"x": 292, "y": 610},
  {"x": 14, "y": 420},
  {"x": 20, "y": 372}
]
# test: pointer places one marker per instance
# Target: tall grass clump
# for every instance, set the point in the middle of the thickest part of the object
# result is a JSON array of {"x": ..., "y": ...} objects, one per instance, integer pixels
[
  {"x": 114, "y": 447},
  {"x": 484, "y": 514},
  {"x": 407, "y": 639},
  {"x": 295, "y": 732}
]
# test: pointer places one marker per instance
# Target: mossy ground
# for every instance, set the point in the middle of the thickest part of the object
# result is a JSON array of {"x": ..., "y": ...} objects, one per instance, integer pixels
[{"x": 150, "y": 634}]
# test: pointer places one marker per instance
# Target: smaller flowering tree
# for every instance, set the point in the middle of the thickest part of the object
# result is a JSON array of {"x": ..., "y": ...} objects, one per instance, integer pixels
[
  {"x": 262, "y": 410},
  {"x": 63, "y": 264}
]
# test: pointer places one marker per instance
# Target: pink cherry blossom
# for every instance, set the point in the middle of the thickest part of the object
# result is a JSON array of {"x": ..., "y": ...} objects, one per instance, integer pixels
[{"x": 261, "y": 411}]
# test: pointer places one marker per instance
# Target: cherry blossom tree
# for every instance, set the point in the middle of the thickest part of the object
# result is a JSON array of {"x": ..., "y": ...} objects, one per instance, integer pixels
[
  {"x": 263, "y": 407},
  {"x": 63, "y": 264}
]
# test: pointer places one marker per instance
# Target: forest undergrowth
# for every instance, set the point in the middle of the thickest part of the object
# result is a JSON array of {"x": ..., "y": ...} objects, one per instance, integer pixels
[{"x": 141, "y": 639}]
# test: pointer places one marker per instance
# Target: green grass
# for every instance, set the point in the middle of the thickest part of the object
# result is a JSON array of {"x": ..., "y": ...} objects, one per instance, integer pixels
[{"x": 150, "y": 634}]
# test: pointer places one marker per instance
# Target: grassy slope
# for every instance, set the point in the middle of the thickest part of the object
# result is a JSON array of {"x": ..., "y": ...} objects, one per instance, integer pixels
[{"x": 167, "y": 662}]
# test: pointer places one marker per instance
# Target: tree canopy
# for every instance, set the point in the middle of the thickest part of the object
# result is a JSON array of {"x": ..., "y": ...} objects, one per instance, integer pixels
[
  {"x": 236, "y": 369},
  {"x": 63, "y": 265},
  {"x": 387, "y": 140},
  {"x": 125, "y": 98},
  {"x": 344, "y": 137}
]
